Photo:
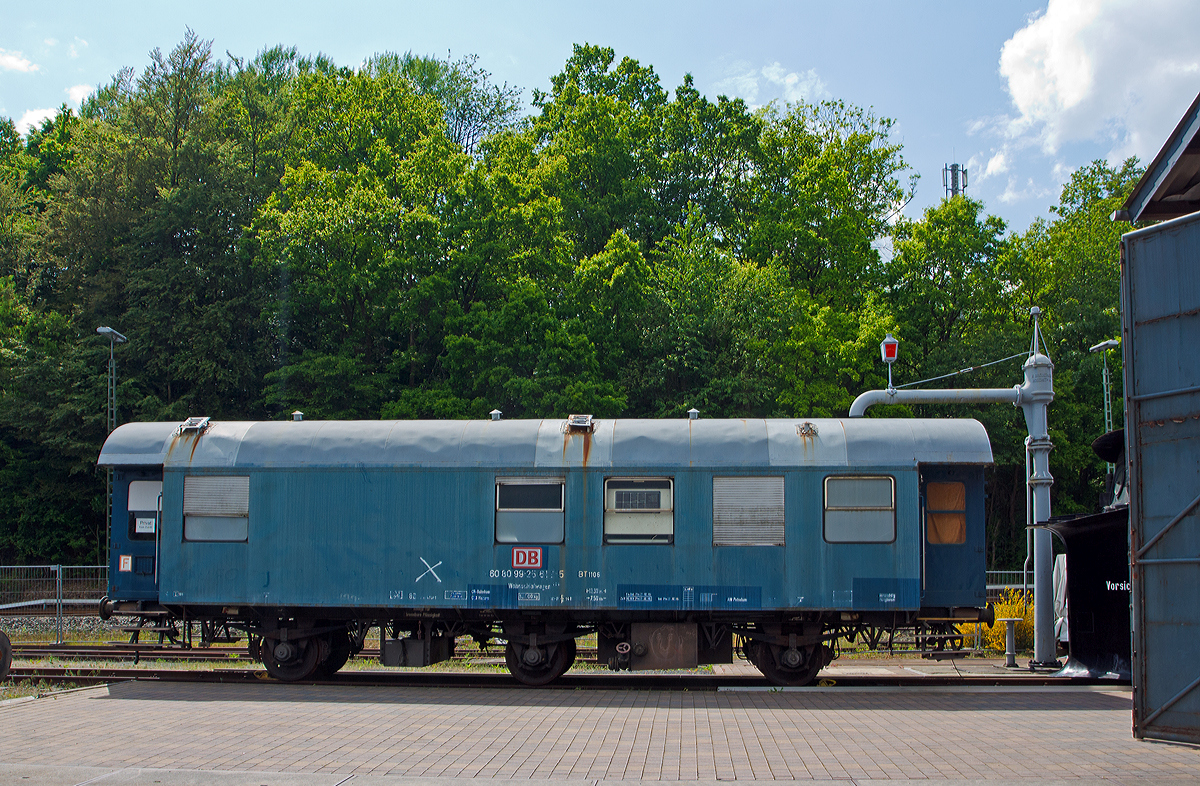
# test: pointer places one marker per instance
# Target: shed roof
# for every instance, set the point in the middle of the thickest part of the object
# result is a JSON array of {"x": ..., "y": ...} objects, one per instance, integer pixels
[
  {"x": 1170, "y": 186},
  {"x": 543, "y": 444}
]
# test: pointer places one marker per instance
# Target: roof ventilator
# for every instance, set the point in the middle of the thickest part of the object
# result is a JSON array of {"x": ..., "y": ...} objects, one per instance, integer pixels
[
  {"x": 579, "y": 424},
  {"x": 807, "y": 429},
  {"x": 195, "y": 426},
  {"x": 496, "y": 414},
  {"x": 693, "y": 414}
]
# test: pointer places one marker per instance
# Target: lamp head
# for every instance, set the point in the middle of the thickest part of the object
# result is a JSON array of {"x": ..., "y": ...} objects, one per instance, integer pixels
[
  {"x": 889, "y": 349},
  {"x": 111, "y": 334}
]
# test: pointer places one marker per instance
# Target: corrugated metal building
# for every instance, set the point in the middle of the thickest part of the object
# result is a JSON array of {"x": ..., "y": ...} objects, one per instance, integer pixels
[{"x": 1160, "y": 293}]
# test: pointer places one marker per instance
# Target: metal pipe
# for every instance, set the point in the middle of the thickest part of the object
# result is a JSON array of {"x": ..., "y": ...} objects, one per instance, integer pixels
[
  {"x": 1037, "y": 393},
  {"x": 955, "y": 396},
  {"x": 1165, "y": 393},
  {"x": 1028, "y": 563},
  {"x": 58, "y": 603}
]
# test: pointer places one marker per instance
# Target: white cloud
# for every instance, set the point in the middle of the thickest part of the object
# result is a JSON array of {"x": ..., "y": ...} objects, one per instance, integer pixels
[
  {"x": 741, "y": 81},
  {"x": 78, "y": 93},
  {"x": 804, "y": 86},
  {"x": 51, "y": 42},
  {"x": 34, "y": 117},
  {"x": 73, "y": 49},
  {"x": 744, "y": 81},
  {"x": 1031, "y": 190},
  {"x": 996, "y": 165},
  {"x": 1118, "y": 72},
  {"x": 15, "y": 61}
]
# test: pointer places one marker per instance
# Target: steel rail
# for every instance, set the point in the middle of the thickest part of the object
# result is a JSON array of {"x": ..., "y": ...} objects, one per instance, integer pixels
[{"x": 596, "y": 680}]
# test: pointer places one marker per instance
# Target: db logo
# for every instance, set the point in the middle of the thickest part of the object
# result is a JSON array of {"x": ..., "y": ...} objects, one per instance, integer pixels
[{"x": 527, "y": 558}]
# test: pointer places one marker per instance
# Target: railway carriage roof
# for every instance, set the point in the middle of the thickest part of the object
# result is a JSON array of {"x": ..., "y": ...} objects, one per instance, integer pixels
[{"x": 534, "y": 444}]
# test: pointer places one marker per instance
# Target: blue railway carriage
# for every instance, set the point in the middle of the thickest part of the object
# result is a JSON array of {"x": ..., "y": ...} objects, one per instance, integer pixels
[{"x": 670, "y": 539}]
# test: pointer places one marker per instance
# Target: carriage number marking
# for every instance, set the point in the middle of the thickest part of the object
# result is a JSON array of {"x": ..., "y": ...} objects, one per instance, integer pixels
[{"x": 523, "y": 574}]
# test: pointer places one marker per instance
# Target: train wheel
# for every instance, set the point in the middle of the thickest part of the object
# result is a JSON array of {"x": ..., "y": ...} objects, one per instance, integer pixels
[
  {"x": 5, "y": 655},
  {"x": 290, "y": 660},
  {"x": 548, "y": 669},
  {"x": 767, "y": 661},
  {"x": 339, "y": 653}
]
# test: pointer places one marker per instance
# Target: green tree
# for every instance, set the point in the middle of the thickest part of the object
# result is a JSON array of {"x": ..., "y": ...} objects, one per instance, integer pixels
[
  {"x": 474, "y": 108},
  {"x": 253, "y": 109},
  {"x": 827, "y": 184},
  {"x": 172, "y": 92},
  {"x": 943, "y": 283},
  {"x": 598, "y": 123},
  {"x": 355, "y": 229}
]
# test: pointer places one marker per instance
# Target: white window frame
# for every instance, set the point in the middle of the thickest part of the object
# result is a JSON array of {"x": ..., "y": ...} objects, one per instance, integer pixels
[
  {"x": 561, "y": 482},
  {"x": 643, "y": 516},
  {"x": 210, "y": 517},
  {"x": 516, "y": 526},
  {"x": 826, "y": 508}
]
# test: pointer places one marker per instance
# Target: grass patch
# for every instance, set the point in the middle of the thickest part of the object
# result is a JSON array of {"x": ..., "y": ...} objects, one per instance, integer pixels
[{"x": 17, "y": 689}]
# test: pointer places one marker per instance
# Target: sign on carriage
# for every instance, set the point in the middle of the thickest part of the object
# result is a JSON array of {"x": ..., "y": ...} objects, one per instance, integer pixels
[{"x": 527, "y": 558}]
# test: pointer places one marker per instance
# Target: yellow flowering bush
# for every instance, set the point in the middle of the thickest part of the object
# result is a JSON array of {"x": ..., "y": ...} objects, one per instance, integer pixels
[{"x": 1012, "y": 603}]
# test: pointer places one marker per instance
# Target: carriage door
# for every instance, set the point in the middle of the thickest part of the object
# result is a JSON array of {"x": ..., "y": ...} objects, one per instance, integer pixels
[
  {"x": 136, "y": 519},
  {"x": 953, "y": 534}
]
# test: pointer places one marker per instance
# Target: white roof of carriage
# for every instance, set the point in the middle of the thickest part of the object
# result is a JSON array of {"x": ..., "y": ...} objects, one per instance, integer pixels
[{"x": 535, "y": 444}]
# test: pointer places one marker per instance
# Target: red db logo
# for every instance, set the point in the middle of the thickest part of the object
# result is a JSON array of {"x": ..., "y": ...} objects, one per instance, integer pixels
[{"x": 527, "y": 558}]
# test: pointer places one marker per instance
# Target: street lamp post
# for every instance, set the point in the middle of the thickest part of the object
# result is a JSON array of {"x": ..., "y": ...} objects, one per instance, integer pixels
[
  {"x": 114, "y": 338},
  {"x": 1103, "y": 348}
]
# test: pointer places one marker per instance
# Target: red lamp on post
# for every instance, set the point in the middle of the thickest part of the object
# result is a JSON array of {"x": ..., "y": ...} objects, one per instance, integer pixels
[{"x": 888, "y": 350}]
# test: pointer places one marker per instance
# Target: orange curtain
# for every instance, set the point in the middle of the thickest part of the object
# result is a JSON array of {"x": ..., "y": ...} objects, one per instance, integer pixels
[{"x": 946, "y": 517}]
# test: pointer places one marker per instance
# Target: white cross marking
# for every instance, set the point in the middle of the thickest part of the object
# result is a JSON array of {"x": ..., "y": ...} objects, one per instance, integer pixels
[{"x": 431, "y": 570}]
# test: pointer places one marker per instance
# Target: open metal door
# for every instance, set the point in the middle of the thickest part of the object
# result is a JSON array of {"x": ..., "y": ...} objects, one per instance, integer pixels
[
  {"x": 133, "y": 567},
  {"x": 1160, "y": 292}
]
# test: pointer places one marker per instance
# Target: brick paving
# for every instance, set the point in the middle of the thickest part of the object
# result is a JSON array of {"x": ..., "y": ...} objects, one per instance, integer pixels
[{"x": 584, "y": 735}]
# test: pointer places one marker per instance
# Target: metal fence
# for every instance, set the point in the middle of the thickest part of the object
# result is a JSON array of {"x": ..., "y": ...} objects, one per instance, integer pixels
[
  {"x": 31, "y": 588},
  {"x": 1000, "y": 580},
  {"x": 56, "y": 590}
]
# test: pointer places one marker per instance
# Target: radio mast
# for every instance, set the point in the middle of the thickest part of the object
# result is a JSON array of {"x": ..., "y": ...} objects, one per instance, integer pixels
[{"x": 954, "y": 179}]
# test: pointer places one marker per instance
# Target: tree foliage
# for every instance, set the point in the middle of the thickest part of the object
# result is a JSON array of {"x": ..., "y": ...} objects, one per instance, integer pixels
[{"x": 280, "y": 232}]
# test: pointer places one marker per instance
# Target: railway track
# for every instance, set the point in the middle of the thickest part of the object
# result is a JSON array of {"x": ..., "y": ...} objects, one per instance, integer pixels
[
  {"x": 233, "y": 665},
  {"x": 89, "y": 675}
]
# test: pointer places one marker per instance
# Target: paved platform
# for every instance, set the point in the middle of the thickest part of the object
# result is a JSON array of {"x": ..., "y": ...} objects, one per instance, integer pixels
[
  {"x": 896, "y": 667},
  {"x": 179, "y": 733}
]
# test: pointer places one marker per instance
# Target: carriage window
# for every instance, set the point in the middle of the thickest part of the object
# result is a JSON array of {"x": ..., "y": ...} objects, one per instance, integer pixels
[
  {"x": 748, "y": 511},
  {"x": 529, "y": 510},
  {"x": 946, "y": 512},
  {"x": 860, "y": 509},
  {"x": 143, "y": 508},
  {"x": 639, "y": 510},
  {"x": 216, "y": 508}
]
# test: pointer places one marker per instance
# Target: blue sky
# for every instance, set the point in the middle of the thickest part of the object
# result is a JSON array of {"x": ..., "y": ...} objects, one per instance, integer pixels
[{"x": 1022, "y": 92}]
